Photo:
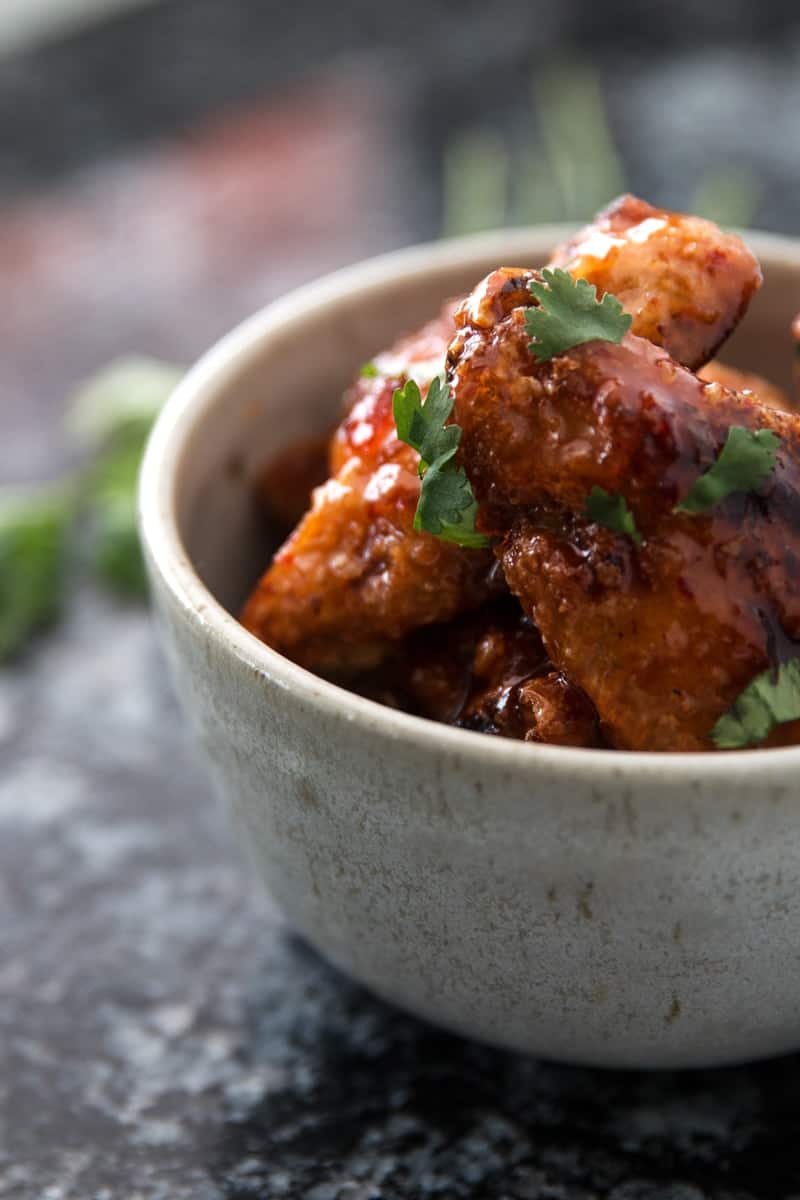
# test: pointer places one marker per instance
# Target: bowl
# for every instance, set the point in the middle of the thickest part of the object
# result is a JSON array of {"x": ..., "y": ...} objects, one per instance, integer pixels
[{"x": 591, "y": 906}]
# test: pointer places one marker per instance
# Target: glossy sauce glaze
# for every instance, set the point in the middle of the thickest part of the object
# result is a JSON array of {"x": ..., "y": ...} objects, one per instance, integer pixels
[
  {"x": 598, "y": 641},
  {"x": 662, "y": 638},
  {"x": 685, "y": 283},
  {"x": 355, "y": 576},
  {"x": 487, "y": 671}
]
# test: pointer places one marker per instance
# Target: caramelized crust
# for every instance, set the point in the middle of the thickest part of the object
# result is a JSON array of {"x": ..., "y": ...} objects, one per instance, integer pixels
[
  {"x": 685, "y": 282},
  {"x": 549, "y": 708},
  {"x": 486, "y": 671},
  {"x": 662, "y": 639},
  {"x": 599, "y": 415}
]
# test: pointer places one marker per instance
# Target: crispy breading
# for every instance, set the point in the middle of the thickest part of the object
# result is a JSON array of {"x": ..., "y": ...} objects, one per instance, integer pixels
[
  {"x": 685, "y": 282},
  {"x": 662, "y": 639},
  {"x": 355, "y": 577}
]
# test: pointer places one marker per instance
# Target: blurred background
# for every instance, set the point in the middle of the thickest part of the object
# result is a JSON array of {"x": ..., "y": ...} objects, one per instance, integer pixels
[{"x": 166, "y": 166}]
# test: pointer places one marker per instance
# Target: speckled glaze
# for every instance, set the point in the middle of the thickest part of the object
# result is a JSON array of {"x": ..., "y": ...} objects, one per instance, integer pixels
[{"x": 590, "y": 906}]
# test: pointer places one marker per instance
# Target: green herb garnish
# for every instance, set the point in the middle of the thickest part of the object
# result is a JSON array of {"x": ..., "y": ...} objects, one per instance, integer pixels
[
  {"x": 569, "y": 314},
  {"x": 610, "y": 510},
  {"x": 121, "y": 402},
  {"x": 369, "y": 371},
  {"x": 447, "y": 507},
  {"x": 90, "y": 518},
  {"x": 33, "y": 531},
  {"x": 742, "y": 465},
  {"x": 110, "y": 505},
  {"x": 771, "y": 699},
  {"x": 112, "y": 416}
]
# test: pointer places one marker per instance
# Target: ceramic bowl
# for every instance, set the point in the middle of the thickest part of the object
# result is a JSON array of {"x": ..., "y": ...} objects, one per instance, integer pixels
[{"x": 591, "y": 906}]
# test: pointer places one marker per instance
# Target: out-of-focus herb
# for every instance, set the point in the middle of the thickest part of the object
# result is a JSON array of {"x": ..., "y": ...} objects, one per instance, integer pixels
[
  {"x": 112, "y": 416},
  {"x": 43, "y": 531},
  {"x": 109, "y": 495},
  {"x": 121, "y": 402},
  {"x": 475, "y": 181},
  {"x": 369, "y": 371},
  {"x": 727, "y": 195},
  {"x": 578, "y": 147},
  {"x": 33, "y": 535},
  {"x": 567, "y": 172}
]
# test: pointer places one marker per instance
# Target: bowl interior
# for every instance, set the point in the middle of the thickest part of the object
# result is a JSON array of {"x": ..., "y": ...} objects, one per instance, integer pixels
[{"x": 282, "y": 375}]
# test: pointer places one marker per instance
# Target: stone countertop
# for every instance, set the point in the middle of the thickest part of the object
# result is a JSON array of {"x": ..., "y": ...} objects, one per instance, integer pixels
[{"x": 165, "y": 1037}]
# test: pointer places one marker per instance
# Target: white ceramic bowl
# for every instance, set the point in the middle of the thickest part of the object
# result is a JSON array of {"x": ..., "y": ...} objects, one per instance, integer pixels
[{"x": 585, "y": 905}]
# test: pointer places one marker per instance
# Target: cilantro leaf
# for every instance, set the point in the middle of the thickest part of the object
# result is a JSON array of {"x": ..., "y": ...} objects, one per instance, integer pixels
[
  {"x": 422, "y": 426},
  {"x": 771, "y": 699},
  {"x": 610, "y": 510},
  {"x": 743, "y": 463},
  {"x": 569, "y": 314},
  {"x": 447, "y": 507},
  {"x": 33, "y": 531},
  {"x": 369, "y": 371}
]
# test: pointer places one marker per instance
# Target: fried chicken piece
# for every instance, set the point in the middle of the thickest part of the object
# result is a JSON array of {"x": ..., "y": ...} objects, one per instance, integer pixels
[
  {"x": 355, "y": 576},
  {"x": 746, "y": 381},
  {"x": 367, "y": 430},
  {"x": 685, "y": 282},
  {"x": 662, "y": 639},
  {"x": 486, "y": 671}
]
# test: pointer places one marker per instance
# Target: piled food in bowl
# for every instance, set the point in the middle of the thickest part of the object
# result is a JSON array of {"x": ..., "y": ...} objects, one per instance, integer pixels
[{"x": 551, "y": 514}]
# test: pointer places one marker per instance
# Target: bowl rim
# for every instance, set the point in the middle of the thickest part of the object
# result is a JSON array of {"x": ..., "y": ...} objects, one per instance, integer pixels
[{"x": 203, "y": 387}]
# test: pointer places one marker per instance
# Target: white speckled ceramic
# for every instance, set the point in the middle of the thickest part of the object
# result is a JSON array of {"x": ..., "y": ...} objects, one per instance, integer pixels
[{"x": 591, "y": 906}]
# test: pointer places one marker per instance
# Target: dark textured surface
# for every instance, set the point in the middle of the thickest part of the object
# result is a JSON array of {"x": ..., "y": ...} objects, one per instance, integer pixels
[{"x": 163, "y": 1036}]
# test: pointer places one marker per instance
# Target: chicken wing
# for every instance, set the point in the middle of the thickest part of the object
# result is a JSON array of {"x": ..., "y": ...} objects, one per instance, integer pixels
[
  {"x": 685, "y": 282},
  {"x": 661, "y": 638},
  {"x": 355, "y": 576}
]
